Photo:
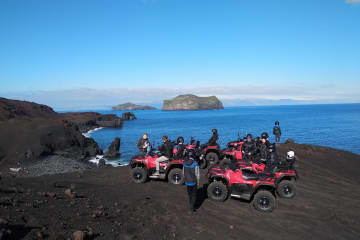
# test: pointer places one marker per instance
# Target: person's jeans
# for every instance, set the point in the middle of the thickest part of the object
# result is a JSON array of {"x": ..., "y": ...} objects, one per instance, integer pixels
[
  {"x": 192, "y": 192},
  {"x": 277, "y": 138},
  {"x": 159, "y": 160}
]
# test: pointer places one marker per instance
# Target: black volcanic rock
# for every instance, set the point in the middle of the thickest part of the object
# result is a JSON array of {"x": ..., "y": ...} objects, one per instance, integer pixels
[
  {"x": 131, "y": 106},
  {"x": 90, "y": 120},
  {"x": 192, "y": 102},
  {"x": 31, "y": 131},
  {"x": 114, "y": 149},
  {"x": 128, "y": 116}
]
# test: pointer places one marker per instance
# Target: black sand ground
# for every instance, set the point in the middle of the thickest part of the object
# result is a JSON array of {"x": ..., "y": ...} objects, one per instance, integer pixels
[{"x": 107, "y": 205}]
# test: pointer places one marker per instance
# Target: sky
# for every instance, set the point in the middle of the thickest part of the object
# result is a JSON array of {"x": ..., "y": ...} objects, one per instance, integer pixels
[{"x": 94, "y": 54}]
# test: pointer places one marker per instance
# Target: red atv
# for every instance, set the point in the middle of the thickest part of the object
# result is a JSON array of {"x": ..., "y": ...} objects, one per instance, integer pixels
[
  {"x": 234, "y": 151},
  {"x": 144, "y": 167},
  {"x": 247, "y": 184}
]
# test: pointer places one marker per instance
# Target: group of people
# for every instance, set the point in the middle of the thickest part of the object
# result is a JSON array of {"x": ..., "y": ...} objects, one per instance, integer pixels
[{"x": 253, "y": 149}]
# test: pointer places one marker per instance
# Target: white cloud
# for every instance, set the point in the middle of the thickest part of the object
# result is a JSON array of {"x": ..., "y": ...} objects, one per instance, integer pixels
[{"x": 352, "y": 1}]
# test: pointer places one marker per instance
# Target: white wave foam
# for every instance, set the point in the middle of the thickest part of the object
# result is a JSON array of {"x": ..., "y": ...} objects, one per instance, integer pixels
[{"x": 88, "y": 133}]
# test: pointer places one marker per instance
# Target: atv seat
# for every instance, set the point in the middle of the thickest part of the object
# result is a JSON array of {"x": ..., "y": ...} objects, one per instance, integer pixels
[{"x": 247, "y": 175}]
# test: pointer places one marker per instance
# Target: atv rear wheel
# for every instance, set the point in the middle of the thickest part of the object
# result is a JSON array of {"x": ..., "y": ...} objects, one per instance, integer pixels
[
  {"x": 217, "y": 191},
  {"x": 212, "y": 158},
  {"x": 176, "y": 176},
  {"x": 139, "y": 175},
  {"x": 286, "y": 189},
  {"x": 264, "y": 201}
]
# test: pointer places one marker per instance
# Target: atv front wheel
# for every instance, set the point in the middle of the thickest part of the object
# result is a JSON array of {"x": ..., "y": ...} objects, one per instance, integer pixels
[
  {"x": 217, "y": 191},
  {"x": 139, "y": 175},
  {"x": 176, "y": 176},
  {"x": 212, "y": 158},
  {"x": 264, "y": 201},
  {"x": 286, "y": 189}
]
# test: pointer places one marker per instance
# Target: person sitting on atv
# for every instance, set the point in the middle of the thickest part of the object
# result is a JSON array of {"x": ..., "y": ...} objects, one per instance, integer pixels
[
  {"x": 180, "y": 148},
  {"x": 166, "y": 152},
  {"x": 272, "y": 160},
  {"x": 143, "y": 144},
  {"x": 249, "y": 147},
  {"x": 263, "y": 146},
  {"x": 213, "y": 140}
]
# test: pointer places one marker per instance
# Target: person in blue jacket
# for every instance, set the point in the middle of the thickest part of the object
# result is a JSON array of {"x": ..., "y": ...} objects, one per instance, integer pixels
[{"x": 192, "y": 178}]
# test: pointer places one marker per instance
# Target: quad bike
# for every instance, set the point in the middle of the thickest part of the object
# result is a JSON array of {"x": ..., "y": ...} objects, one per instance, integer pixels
[
  {"x": 144, "y": 167},
  {"x": 234, "y": 151},
  {"x": 245, "y": 183},
  {"x": 284, "y": 173}
]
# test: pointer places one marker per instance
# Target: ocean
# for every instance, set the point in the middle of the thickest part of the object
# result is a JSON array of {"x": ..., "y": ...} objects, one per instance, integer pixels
[{"x": 332, "y": 125}]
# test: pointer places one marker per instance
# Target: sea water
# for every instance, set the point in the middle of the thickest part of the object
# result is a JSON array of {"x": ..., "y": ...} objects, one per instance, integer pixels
[{"x": 336, "y": 126}]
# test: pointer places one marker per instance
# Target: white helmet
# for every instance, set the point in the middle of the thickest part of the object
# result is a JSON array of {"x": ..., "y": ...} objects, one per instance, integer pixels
[{"x": 290, "y": 154}]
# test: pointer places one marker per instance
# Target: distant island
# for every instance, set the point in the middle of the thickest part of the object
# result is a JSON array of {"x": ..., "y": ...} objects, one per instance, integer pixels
[
  {"x": 131, "y": 106},
  {"x": 192, "y": 102}
]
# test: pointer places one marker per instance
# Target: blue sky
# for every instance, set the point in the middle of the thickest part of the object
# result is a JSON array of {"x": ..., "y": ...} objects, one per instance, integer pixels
[{"x": 304, "y": 50}]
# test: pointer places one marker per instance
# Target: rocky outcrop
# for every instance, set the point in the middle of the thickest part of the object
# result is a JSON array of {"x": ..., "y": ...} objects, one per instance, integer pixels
[
  {"x": 131, "y": 107},
  {"x": 87, "y": 121},
  {"x": 128, "y": 116},
  {"x": 114, "y": 149},
  {"x": 192, "y": 102},
  {"x": 31, "y": 131}
]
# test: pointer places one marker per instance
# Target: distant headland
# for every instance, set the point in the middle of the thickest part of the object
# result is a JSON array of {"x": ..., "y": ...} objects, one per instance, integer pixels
[
  {"x": 131, "y": 106},
  {"x": 192, "y": 102}
]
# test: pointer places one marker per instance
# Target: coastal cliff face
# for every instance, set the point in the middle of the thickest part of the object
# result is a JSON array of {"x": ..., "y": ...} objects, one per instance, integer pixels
[
  {"x": 31, "y": 131},
  {"x": 192, "y": 102},
  {"x": 131, "y": 106}
]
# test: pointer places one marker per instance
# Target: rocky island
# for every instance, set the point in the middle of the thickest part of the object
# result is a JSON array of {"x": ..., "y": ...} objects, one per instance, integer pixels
[
  {"x": 192, "y": 102},
  {"x": 131, "y": 106}
]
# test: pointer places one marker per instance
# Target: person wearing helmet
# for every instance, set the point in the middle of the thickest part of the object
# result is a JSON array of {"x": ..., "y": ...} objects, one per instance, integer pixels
[
  {"x": 191, "y": 174},
  {"x": 249, "y": 147},
  {"x": 166, "y": 151},
  {"x": 213, "y": 140},
  {"x": 263, "y": 146},
  {"x": 272, "y": 160},
  {"x": 290, "y": 158},
  {"x": 277, "y": 132},
  {"x": 180, "y": 148}
]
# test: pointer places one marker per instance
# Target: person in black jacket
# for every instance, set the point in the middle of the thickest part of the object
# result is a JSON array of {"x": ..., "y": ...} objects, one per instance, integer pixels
[
  {"x": 191, "y": 173},
  {"x": 180, "y": 148},
  {"x": 263, "y": 146},
  {"x": 277, "y": 131},
  {"x": 213, "y": 140},
  {"x": 249, "y": 147},
  {"x": 166, "y": 151},
  {"x": 272, "y": 160}
]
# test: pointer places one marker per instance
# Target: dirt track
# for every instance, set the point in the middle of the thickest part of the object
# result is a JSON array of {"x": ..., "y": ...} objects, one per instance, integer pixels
[{"x": 109, "y": 206}]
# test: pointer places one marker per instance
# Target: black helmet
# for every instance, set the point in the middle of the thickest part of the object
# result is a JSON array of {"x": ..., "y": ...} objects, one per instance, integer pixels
[
  {"x": 265, "y": 135},
  {"x": 277, "y": 123},
  {"x": 257, "y": 139},
  {"x": 249, "y": 135},
  {"x": 180, "y": 140},
  {"x": 214, "y": 131}
]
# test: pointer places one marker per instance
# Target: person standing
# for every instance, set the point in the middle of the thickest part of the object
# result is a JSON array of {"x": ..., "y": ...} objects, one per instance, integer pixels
[
  {"x": 277, "y": 132},
  {"x": 191, "y": 173},
  {"x": 143, "y": 143}
]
